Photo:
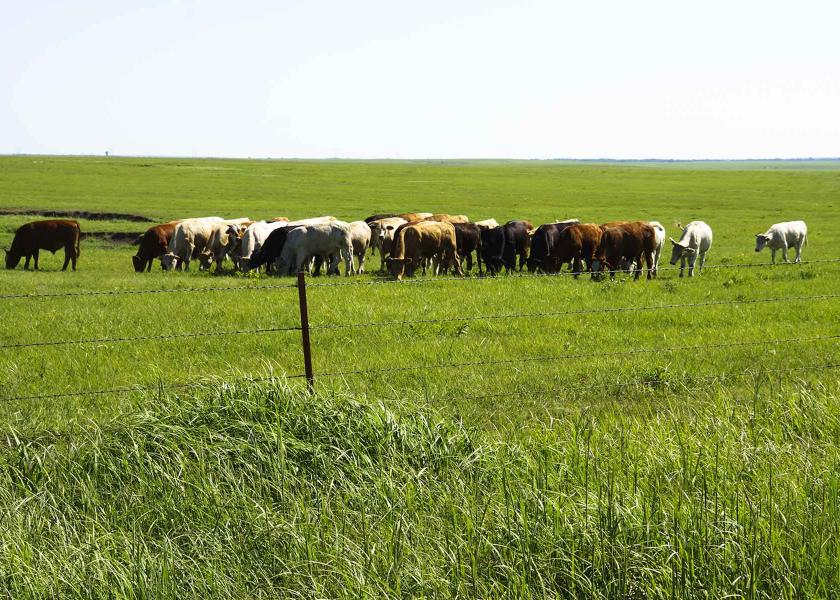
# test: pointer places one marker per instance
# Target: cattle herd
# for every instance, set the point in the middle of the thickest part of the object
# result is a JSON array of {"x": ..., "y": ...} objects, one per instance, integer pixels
[{"x": 405, "y": 242}]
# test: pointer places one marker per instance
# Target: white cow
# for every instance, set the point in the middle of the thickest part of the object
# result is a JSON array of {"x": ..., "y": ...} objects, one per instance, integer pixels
[
  {"x": 782, "y": 236},
  {"x": 487, "y": 223},
  {"x": 224, "y": 242},
  {"x": 189, "y": 239},
  {"x": 660, "y": 244},
  {"x": 324, "y": 239},
  {"x": 253, "y": 239},
  {"x": 360, "y": 233},
  {"x": 382, "y": 236},
  {"x": 696, "y": 239}
]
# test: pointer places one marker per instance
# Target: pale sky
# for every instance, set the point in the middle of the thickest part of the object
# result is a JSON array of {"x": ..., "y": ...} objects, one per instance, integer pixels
[{"x": 423, "y": 79}]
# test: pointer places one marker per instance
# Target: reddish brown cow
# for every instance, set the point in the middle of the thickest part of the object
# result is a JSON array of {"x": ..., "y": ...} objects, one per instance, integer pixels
[
  {"x": 45, "y": 235},
  {"x": 153, "y": 245},
  {"x": 576, "y": 244},
  {"x": 628, "y": 241}
]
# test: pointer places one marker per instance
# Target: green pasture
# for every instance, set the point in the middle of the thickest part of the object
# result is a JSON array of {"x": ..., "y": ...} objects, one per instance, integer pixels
[{"x": 682, "y": 451}]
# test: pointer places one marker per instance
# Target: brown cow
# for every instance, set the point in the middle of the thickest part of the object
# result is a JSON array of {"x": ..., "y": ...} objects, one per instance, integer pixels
[
  {"x": 415, "y": 243},
  {"x": 449, "y": 218},
  {"x": 45, "y": 235},
  {"x": 575, "y": 244},
  {"x": 629, "y": 241},
  {"x": 412, "y": 217},
  {"x": 153, "y": 245}
]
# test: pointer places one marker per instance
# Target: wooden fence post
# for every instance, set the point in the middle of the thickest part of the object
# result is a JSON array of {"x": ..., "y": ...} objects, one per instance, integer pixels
[{"x": 304, "y": 332}]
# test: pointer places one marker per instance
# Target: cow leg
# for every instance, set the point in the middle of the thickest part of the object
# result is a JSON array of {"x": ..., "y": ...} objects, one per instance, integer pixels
[
  {"x": 702, "y": 260},
  {"x": 26, "y": 263},
  {"x": 66, "y": 259},
  {"x": 348, "y": 262},
  {"x": 691, "y": 261},
  {"x": 798, "y": 253},
  {"x": 36, "y": 255},
  {"x": 576, "y": 262},
  {"x": 682, "y": 266},
  {"x": 784, "y": 253}
]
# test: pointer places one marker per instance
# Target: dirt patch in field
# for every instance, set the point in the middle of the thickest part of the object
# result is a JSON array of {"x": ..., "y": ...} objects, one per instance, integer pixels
[
  {"x": 77, "y": 214},
  {"x": 115, "y": 237}
]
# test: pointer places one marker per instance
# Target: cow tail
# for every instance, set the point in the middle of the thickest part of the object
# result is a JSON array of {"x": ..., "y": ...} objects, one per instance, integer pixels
[{"x": 78, "y": 247}]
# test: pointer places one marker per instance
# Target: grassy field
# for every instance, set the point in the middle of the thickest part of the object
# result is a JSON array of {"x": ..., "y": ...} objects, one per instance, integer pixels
[{"x": 687, "y": 451}]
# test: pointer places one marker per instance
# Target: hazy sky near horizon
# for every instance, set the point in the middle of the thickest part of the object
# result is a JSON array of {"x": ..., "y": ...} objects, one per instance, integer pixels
[{"x": 430, "y": 79}]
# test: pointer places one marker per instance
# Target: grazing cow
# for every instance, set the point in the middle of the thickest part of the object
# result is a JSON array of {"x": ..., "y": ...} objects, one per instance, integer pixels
[
  {"x": 190, "y": 238},
  {"x": 305, "y": 242},
  {"x": 382, "y": 236},
  {"x": 696, "y": 239},
  {"x": 416, "y": 243},
  {"x": 153, "y": 244},
  {"x": 630, "y": 241},
  {"x": 411, "y": 217},
  {"x": 49, "y": 235},
  {"x": 360, "y": 233},
  {"x": 449, "y": 218},
  {"x": 500, "y": 246},
  {"x": 782, "y": 236},
  {"x": 487, "y": 223},
  {"x": 269, "y": 251},
  {"x": 467, "y": 241},
  {"x": 225, "y": 240},
  {"x": 253, "y": 239},
  {"x": 543, "y": 242}
]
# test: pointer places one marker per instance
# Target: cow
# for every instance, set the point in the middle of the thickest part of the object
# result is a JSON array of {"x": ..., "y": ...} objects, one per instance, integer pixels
[
  {"x": 49, "y": 235},
  {"x": 696, "y": 239},
  {"x": 782, "y": 236},
  {"x": 659, "y": 230},
  {"x": 543, "y": 241},
  {"x": 190, "y": 238},
  {"x": 449, "y": 218},
  {"x": 487, "y": 223},
  {"x": 153, "y": 245},
  {"x": 501, "y": 245},
  {"x": 360, "y": 233},
  {"x": 633, "y": 241},
  {"x": 253, "y": 238},
  {"x": 467, "y": 241},
  {"x": 323, "y": 239},
  {"x": 416, "y": 243},
  {"x": 382, "y": 236},
  {"x": 268, "y": 251},
  {"x": 373, "y": 218},
  {"x": 225, "y": 241},
  {"x": 411, "y": 217}
]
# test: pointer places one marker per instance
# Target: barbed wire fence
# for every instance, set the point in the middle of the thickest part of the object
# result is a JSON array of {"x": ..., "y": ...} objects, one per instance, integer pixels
[{"x": 306, "y": 328}]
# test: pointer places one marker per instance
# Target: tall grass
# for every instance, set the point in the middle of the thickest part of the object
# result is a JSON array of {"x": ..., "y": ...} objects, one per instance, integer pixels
[{"x": 258, "y": 491}]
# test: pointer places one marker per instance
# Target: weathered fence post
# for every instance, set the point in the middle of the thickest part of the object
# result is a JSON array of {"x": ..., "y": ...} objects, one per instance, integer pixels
[{"x": 304, "y": 331}]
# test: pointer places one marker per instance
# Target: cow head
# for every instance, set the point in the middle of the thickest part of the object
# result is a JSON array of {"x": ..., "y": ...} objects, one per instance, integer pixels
[
  {"x": 679, "y": 250},
  {"x": 139, "y": 263},
  {"x": 170, "y": 261},
  {"x": 205, "y": 260},
  {"x": 12, "y": 258},
  {"x": 397, "y": 266},
  {"x": 761, "y": 241}
]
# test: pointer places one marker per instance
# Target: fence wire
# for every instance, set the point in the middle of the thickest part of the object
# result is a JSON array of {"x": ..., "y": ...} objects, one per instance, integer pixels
[
  {"x": 168, "y": 336},
  {"x": 409, "y": 281},
  {"x": 584, "y": 311},
  {"x": 577, "y": 355}
]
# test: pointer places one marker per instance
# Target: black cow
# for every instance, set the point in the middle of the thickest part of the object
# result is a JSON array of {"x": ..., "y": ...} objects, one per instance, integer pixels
[
  {"x": 501, "y": 245},
  {"x": 270, "y": 250},
  {"x": 544, "y": 240},
  {"x": 468, "y": 240},
  {"x": 50, "y": 235}
]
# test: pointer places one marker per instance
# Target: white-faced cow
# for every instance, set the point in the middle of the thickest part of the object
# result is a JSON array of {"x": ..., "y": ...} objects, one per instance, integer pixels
[
  {"x": 781, "y": 236},
  {"x": 695, "y": 241}
]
